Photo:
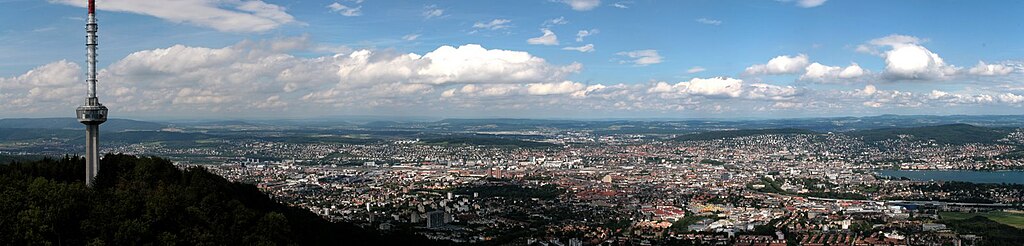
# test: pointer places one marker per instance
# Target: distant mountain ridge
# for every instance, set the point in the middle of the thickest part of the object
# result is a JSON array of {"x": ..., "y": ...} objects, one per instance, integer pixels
[
  {"x": 741, "y": 133},
  {"x": 115, "y": 125},
  {"x": 954, "y": 134}
]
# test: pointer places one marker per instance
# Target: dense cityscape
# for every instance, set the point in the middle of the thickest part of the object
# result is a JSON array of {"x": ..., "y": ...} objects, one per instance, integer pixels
[{"x": 567, "y": 186}]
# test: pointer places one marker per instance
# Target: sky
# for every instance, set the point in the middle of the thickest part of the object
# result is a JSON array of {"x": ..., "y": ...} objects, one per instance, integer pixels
[{"x": 214, "y": 59}]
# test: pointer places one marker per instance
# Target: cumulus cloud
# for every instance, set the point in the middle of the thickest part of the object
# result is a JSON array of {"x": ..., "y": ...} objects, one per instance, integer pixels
[
  {"x": 263, "y": 76},
  {"x": 990, "y": 69},
  {"x": 584, "y": 49},
  {"x": 915, "y": 62},
  {"x": 279, "y": 75},
  {"x": 345, "y": 10},
  {"x": 494, "y": 24},
  {"x": 821, "y": 73},
  {"x": 226, "y": 16},
  {"x": 717, "y": 87},
  {"x": 906, "y": 59},
  {"x": 780, "y": 65},
  {"x": 641, "y": 57},
  {"x": 581, "y": 5},
  {"x": 549, "y": 38},
  {"x": 725, "y": 88},
  {"x": 872, "y": 97},
  {"x": 565, "y": 87},
  {"x": 47, "y": 87}
]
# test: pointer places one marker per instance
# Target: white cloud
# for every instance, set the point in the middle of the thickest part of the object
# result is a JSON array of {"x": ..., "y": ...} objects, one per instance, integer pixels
[
  {"x": 761, "y": 91},
  {"x": 265, "y": 77},
  {"x": 581, "y": 5},
  {"x": 911, "y": 61},
  {"x": 585, "y": 48},
  {"x": 709, "y": 21},
  {"x": 622, "y": 4},
  {"x": 226, "y": 16},
  {"x": 852, "y": 71},
  {"x": 642, "y": 57},
  {"x": 262, "y": 76},
  {"x": 565, "y": 87},
  {"x": 345, "y": 10},
  {"x": 50, "y": 87},
  {"x": 549, "y": 38},
  {"x": 585, "y": 33},
  {"x": 810, "y": 3},
  {"x": 432, "y": 11},
  {"x": 725, "y": 88},
  {"x": 495, "y": 24},
  {"x": 411, "y": 37},
  {"x": 780, "y": 65},
  {"x": 718, "y": 87},
  {"x": 1011, "y": 98},
  {"x": 822, "y": 73},
  {"x": 556, "y": 21},
  {"x": 696, "y": 69},
  {"x": 714, "y": 87},
  {"x": 906, "y": 59},
  {"x": 984, "y": 69},
  {"x": 59, "y": 73},
  {"x": 806, "y": 3}
]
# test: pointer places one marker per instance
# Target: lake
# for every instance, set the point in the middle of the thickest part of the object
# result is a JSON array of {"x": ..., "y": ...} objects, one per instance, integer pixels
[{"x": 1014, "y": 177}]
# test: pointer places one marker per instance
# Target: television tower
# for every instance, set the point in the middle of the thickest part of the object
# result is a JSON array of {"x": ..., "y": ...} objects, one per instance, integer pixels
[{"x": 92, "y": 114}]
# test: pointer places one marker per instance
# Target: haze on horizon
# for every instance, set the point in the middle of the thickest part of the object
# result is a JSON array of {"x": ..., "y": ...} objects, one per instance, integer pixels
[{"x": 517, "y": 59}]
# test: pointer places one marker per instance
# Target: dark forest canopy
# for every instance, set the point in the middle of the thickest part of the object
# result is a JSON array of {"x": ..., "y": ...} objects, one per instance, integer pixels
[
  {"x": 956, "y": 134},
  {"x": 149, "y": 201}
]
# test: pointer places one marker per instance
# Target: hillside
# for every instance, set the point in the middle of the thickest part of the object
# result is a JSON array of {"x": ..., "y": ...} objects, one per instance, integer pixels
[
  {"x": 956, "y": 134},
  {"x": 488, "y": 141},
  {"x": 740, "y": 133},
  {"x": 140, "y": 201}
]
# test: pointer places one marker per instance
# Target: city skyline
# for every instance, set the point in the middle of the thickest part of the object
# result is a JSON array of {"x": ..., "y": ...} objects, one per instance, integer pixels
[{"x": 527, "y": 59}]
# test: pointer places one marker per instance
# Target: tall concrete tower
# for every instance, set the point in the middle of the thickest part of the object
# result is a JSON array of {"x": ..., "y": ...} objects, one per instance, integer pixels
[{"x": 92, "y": 114}]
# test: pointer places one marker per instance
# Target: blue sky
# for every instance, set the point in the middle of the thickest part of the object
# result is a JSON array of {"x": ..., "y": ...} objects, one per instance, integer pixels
[{"x": 529, "y": 58}]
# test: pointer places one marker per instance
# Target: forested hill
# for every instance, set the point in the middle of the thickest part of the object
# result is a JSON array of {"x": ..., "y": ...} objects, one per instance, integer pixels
[
  {"x": 956, "y": 134},
  {"x": 149, "y": 201}
]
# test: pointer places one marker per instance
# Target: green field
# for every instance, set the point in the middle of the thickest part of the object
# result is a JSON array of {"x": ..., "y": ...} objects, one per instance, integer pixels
[{"x": 1015, "y": 219}]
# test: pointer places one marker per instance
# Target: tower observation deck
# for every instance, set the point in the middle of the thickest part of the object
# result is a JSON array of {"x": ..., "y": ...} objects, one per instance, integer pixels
[{"x": 93, "y": 113}]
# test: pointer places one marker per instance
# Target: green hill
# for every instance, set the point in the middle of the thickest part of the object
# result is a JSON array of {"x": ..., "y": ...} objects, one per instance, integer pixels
[
  {"x": 144, "y": 201},
  {"x": 956, "y": 134},
  {"x": 740, "y": 133}
]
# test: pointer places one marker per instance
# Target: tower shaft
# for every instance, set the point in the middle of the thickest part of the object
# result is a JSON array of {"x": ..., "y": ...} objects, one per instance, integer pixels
[
  {"x": 92, "y": 155},
  {"x": 93, "y": 113}
]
